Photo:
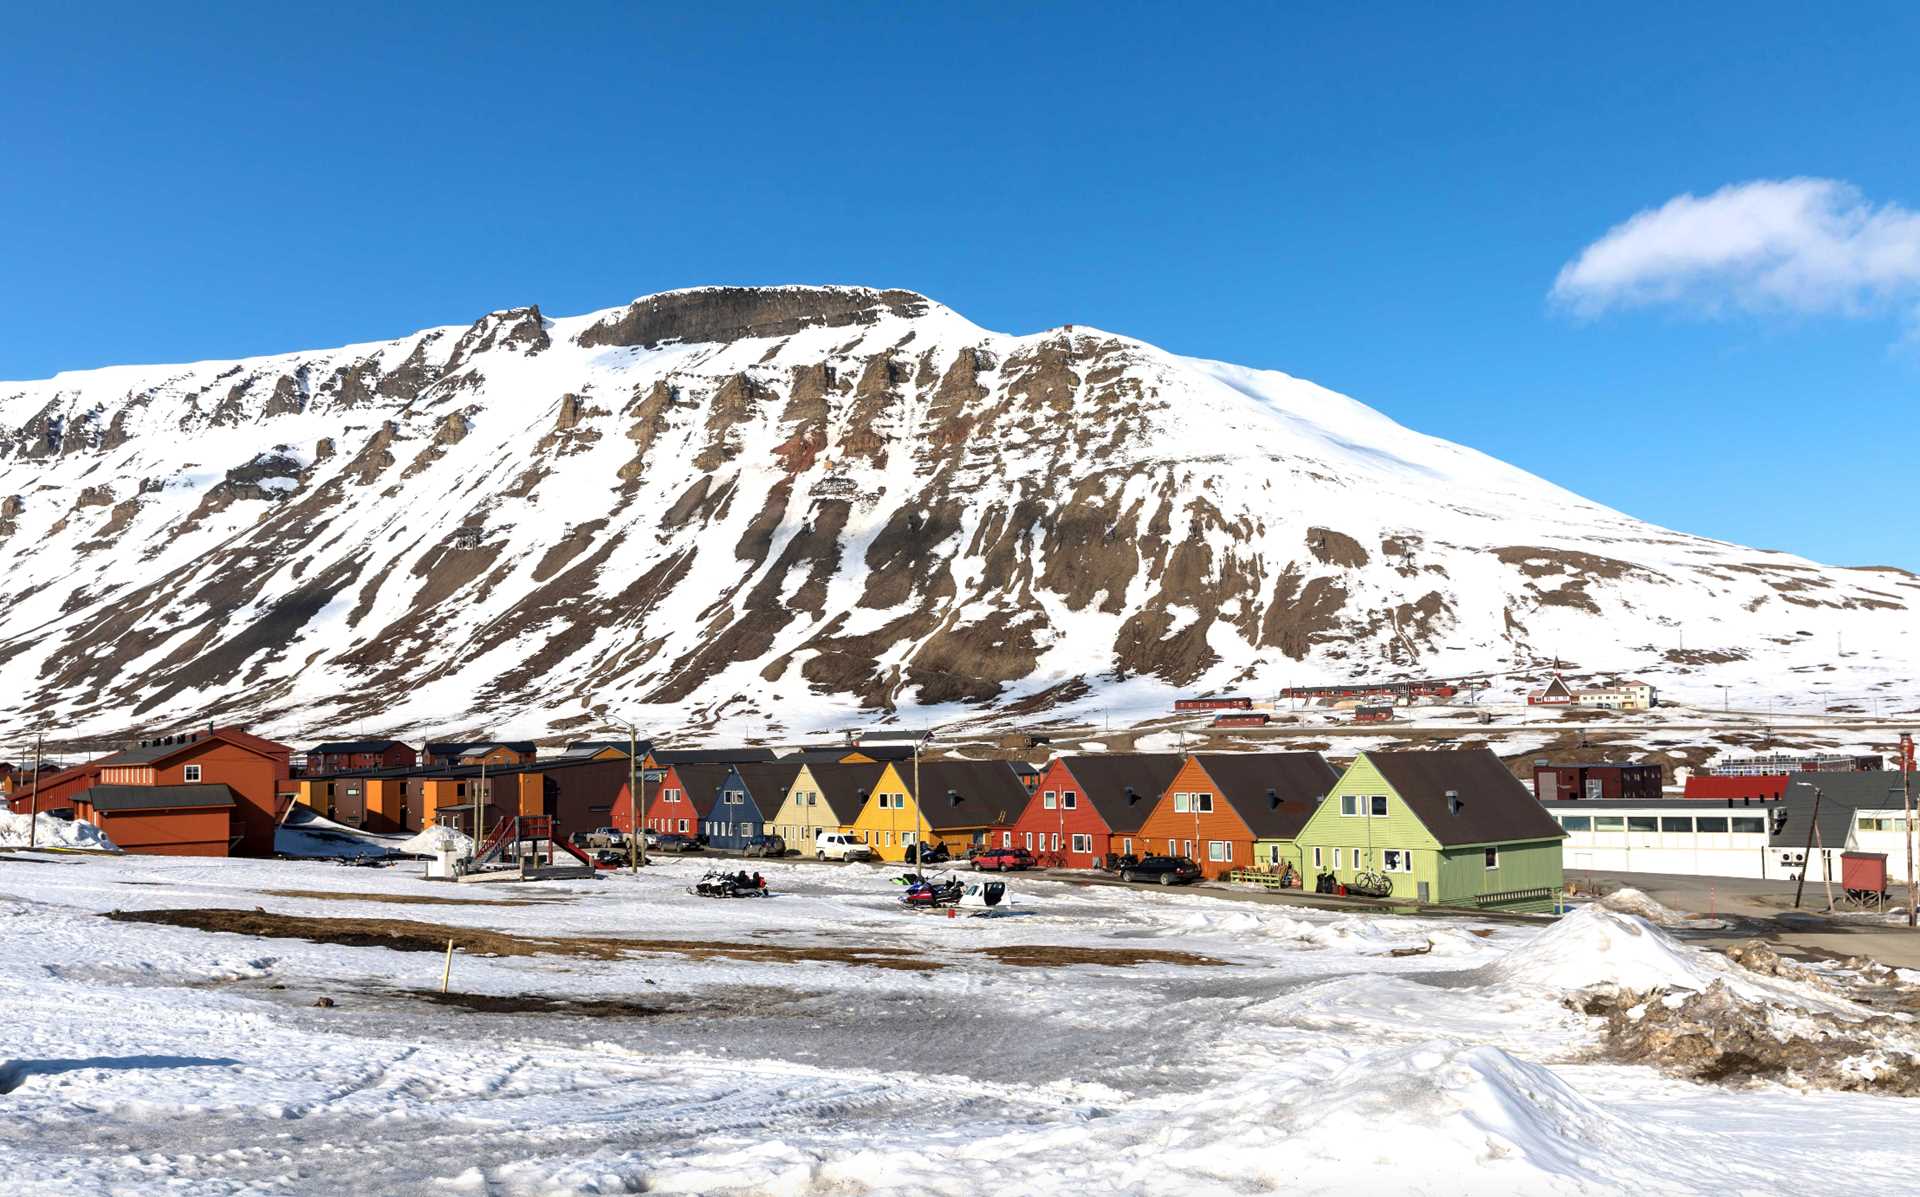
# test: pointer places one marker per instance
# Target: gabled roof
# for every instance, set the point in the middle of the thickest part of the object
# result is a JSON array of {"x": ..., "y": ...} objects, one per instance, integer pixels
[
  {"x": 1556, "y": 686},
  {"x": 966, "y": 793},
  {"x": 1124, "y": 788},
  {"x": 341, "y": 747},
  {"x": 1841, "y": 795},
  {"x": 844, "y": 788},
  {"x": 166, "y": 748},
  {"x": 1494, "y": 806},
  {"x": 1274, "y": 793},
  {"x": 103, "y": 797},
  {"x": 846, "y": 752},
  {"x": 701, "y": 782},
  {"x": 768, "y": 783},
  {"x": 591, "y": 747}
]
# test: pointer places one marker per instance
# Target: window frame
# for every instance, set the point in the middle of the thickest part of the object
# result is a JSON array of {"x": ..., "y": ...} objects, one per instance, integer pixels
[
  {"x": 1490, "y": 859},
  {"x": 193, "y": 773}
]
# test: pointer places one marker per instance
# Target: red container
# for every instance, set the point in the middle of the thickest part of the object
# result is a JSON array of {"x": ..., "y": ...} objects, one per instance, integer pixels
[{"x": 1864, "y": 872}]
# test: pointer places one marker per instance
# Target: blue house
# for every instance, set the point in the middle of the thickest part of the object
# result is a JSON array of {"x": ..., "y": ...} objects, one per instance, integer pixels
[{"x": 746, "y": 802}]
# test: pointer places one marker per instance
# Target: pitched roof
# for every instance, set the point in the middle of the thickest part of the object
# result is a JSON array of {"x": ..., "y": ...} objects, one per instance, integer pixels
[
  {"x": 844, "y": 788},
  {"x": 702, "y": 783},
  {"x": 1841, "y": 794},
  {"x": 840, "y": 752},
  {"x": 115, "y": 797},
  {"x": 967, "y": 793},
  {"x": 590, "y": 747},
  {"x": 1124, "y": 787},
  {"x": 164, "y": 748},
  {"x": 768, "y": 782},
  {"x": 1494, "y": 806},
  {"x": 1274, "y": 793}
]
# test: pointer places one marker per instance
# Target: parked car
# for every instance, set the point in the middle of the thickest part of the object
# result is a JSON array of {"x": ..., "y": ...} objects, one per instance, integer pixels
[
  {"x": 839, "y": 845},
  {"x": 1001, "y": 859},
  {"x": 675, "y": 842},
  {"x": 614, "y": 837},
  {"x": 766, "y": 845},
  {"x": 651, "y": 838},
  {"x": 1167, "y": 870}
]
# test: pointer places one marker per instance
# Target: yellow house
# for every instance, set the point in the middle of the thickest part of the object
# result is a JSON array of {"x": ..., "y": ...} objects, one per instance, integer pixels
[
  {"x": 964, "y": 802},
  {"x": 824, "y": 797}
]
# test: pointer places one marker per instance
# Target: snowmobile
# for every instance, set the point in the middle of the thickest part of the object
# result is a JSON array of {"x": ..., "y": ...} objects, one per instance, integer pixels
[
  {"x": 728, "y": 885},
  {"x": 926, "y": 894}
]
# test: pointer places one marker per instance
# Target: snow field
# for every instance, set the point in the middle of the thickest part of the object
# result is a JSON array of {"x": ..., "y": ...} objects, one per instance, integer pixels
[{"x": 154, "y": 1059}]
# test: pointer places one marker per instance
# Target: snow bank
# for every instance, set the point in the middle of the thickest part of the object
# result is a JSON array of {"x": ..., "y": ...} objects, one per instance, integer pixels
[
  {"x": 308, "y": 834},
  {"x": 52, "y": 832},
  {"x": 435, "y": 840},
  {"x": 1628, "y": 900},
  {"x": 1596, "y": 946}
]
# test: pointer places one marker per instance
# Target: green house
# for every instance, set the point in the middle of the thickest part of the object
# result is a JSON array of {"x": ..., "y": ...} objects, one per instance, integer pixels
[{"x": 1452, "y": 828}]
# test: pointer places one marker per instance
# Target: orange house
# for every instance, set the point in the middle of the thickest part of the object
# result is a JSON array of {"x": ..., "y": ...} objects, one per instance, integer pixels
[
  {"x": 251, "y": 768},
  {"x": 1219, "y": 803}
]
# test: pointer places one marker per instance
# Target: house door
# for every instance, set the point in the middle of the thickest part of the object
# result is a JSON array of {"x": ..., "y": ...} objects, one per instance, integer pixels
[{"x": 1423, "y": 893}]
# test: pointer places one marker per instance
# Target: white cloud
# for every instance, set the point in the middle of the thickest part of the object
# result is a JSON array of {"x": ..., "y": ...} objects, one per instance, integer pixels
[{"x": 1771, "y": 245}]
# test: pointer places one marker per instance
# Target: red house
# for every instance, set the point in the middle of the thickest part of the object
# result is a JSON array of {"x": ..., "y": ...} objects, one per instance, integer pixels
[
  {"x": 676, "y": 805},
  {"x": 1087, "y": 808}
]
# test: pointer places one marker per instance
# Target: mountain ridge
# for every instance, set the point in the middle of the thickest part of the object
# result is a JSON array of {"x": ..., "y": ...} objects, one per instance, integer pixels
[{"x": 783, "y": 507}]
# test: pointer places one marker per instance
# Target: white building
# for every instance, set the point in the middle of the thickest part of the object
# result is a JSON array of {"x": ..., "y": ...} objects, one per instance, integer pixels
[{"x": 1669, "y": 835}]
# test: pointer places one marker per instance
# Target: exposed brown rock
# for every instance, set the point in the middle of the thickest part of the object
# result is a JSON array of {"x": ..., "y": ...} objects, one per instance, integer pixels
[{"x": 732, "y": 313}]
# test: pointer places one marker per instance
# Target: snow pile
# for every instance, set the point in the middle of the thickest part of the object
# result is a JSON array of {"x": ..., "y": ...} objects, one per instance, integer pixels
[
  {"x": 435, "y": 840},
  {"x": 1595, "y": 946},
  {"x": 1479, "y": 1112},
  {"x": 50, "y": 831},
  {"x": 1628, "y": 900},
  {"x": 311, "y": 835}
]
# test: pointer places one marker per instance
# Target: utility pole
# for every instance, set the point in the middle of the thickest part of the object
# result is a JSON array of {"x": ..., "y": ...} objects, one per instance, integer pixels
[
  {"x": 1906, "y": 798},
  {"x": 480, "y": 810},
  {"x": 636, "y": 798},
  {"x": 1813, "y": 824},
  {"x": 919, "y": 811},
  {"x": 33, "y": 795}
]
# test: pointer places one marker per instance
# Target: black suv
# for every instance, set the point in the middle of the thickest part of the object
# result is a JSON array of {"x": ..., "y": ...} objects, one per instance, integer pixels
[{"x": 1167, "y": 870}]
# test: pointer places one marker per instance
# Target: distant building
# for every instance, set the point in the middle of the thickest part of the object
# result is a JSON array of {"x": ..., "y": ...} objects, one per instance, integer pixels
[
  {"x": 1596, "y": 782},
  {"x": 1373, "y": 715},
  {"x": 343, "y": 756},
  {"x": 1756, "y": 787},
  {"x": 1781, "y": 763},
  {"x": 1622, "y": 696}
]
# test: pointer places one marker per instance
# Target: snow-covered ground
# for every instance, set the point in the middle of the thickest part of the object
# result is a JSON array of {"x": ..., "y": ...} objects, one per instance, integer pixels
[{"x": 146, "y": 1059}]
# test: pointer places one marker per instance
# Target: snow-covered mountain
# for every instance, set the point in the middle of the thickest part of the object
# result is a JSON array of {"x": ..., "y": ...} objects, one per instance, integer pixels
[{"x": 788, "y": 507}]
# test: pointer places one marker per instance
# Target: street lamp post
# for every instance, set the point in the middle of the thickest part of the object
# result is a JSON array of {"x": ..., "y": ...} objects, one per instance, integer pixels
[{"x": 636, "y": 799}]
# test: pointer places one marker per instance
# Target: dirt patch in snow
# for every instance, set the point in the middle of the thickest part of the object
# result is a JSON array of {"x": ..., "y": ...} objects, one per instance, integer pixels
[
  {"x": 1046, "y": 956},
  {"x": 527, "y": 1003},
  {"x": 408, "y": 935},
  {"x": 328, "y": 895}
]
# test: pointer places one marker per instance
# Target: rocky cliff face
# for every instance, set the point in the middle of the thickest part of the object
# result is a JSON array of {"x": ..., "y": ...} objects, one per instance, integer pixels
[{"x": 791, "y": 506}]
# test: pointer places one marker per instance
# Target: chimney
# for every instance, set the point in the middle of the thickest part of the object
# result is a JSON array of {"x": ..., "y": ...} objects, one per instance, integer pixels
[{"x": 1453, "y": 802}]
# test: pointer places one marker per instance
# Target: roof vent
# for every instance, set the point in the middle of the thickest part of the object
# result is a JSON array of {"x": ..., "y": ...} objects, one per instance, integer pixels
[
  {"x": 953, "y": 797},
  {"x": 1273, "y": 798},
  {"x": 1131, "y": 796},
  {"x": 1453, "y": 802}
]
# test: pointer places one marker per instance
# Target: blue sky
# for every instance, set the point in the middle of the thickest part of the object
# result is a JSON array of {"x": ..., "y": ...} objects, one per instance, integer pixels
[{"x": 1379, "y": 198}]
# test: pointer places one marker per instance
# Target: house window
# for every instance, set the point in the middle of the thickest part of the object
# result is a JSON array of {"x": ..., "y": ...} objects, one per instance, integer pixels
[
  {"x": 1203, "y": 804},
  {"x": 683, "y": 827},
  {"x": 1349, "y": 805},
  {"x": 1219, "y": 850},
  {"x": 1047, "y": 800},
  {"x": 1056, "y": 841},
  {"x": 1379, "y": 806},
  {"x": 1082, "y": 843},
  {"x": 1006, "y": 839},
  {"x": 1316, "y": 858},
  {"x": 193, "y": 774},
  {"x": 906, "y": 839},
  {"x": 1187, "y": 850},
  {"x": 1670, "y": 823},
  {"x": 887, "y": 839},
  {"x": 1029, "y": 841},
  {"x": 1396, "y": 860},
  {"x": 1585, "y": 823},
  {"x": 1126, "y": 846},
  {"x": 1493, "y": 858},
  {"x": 1336, "y": 860},
  {"x": 1180, "y": 804},
  {"x": 1069, "y": 799}
]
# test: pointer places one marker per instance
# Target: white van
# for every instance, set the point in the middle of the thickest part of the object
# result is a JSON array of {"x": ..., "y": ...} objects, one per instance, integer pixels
[{"x": 838, "y": 845}]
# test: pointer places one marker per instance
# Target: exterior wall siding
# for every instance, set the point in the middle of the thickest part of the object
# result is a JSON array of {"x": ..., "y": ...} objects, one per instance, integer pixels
[
  {"x": 1184, "y": 833},
  {"x": 798, "y": 820},
  {"x": 1052, "y": 830},
  {"x": 177, "y": 832}
]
